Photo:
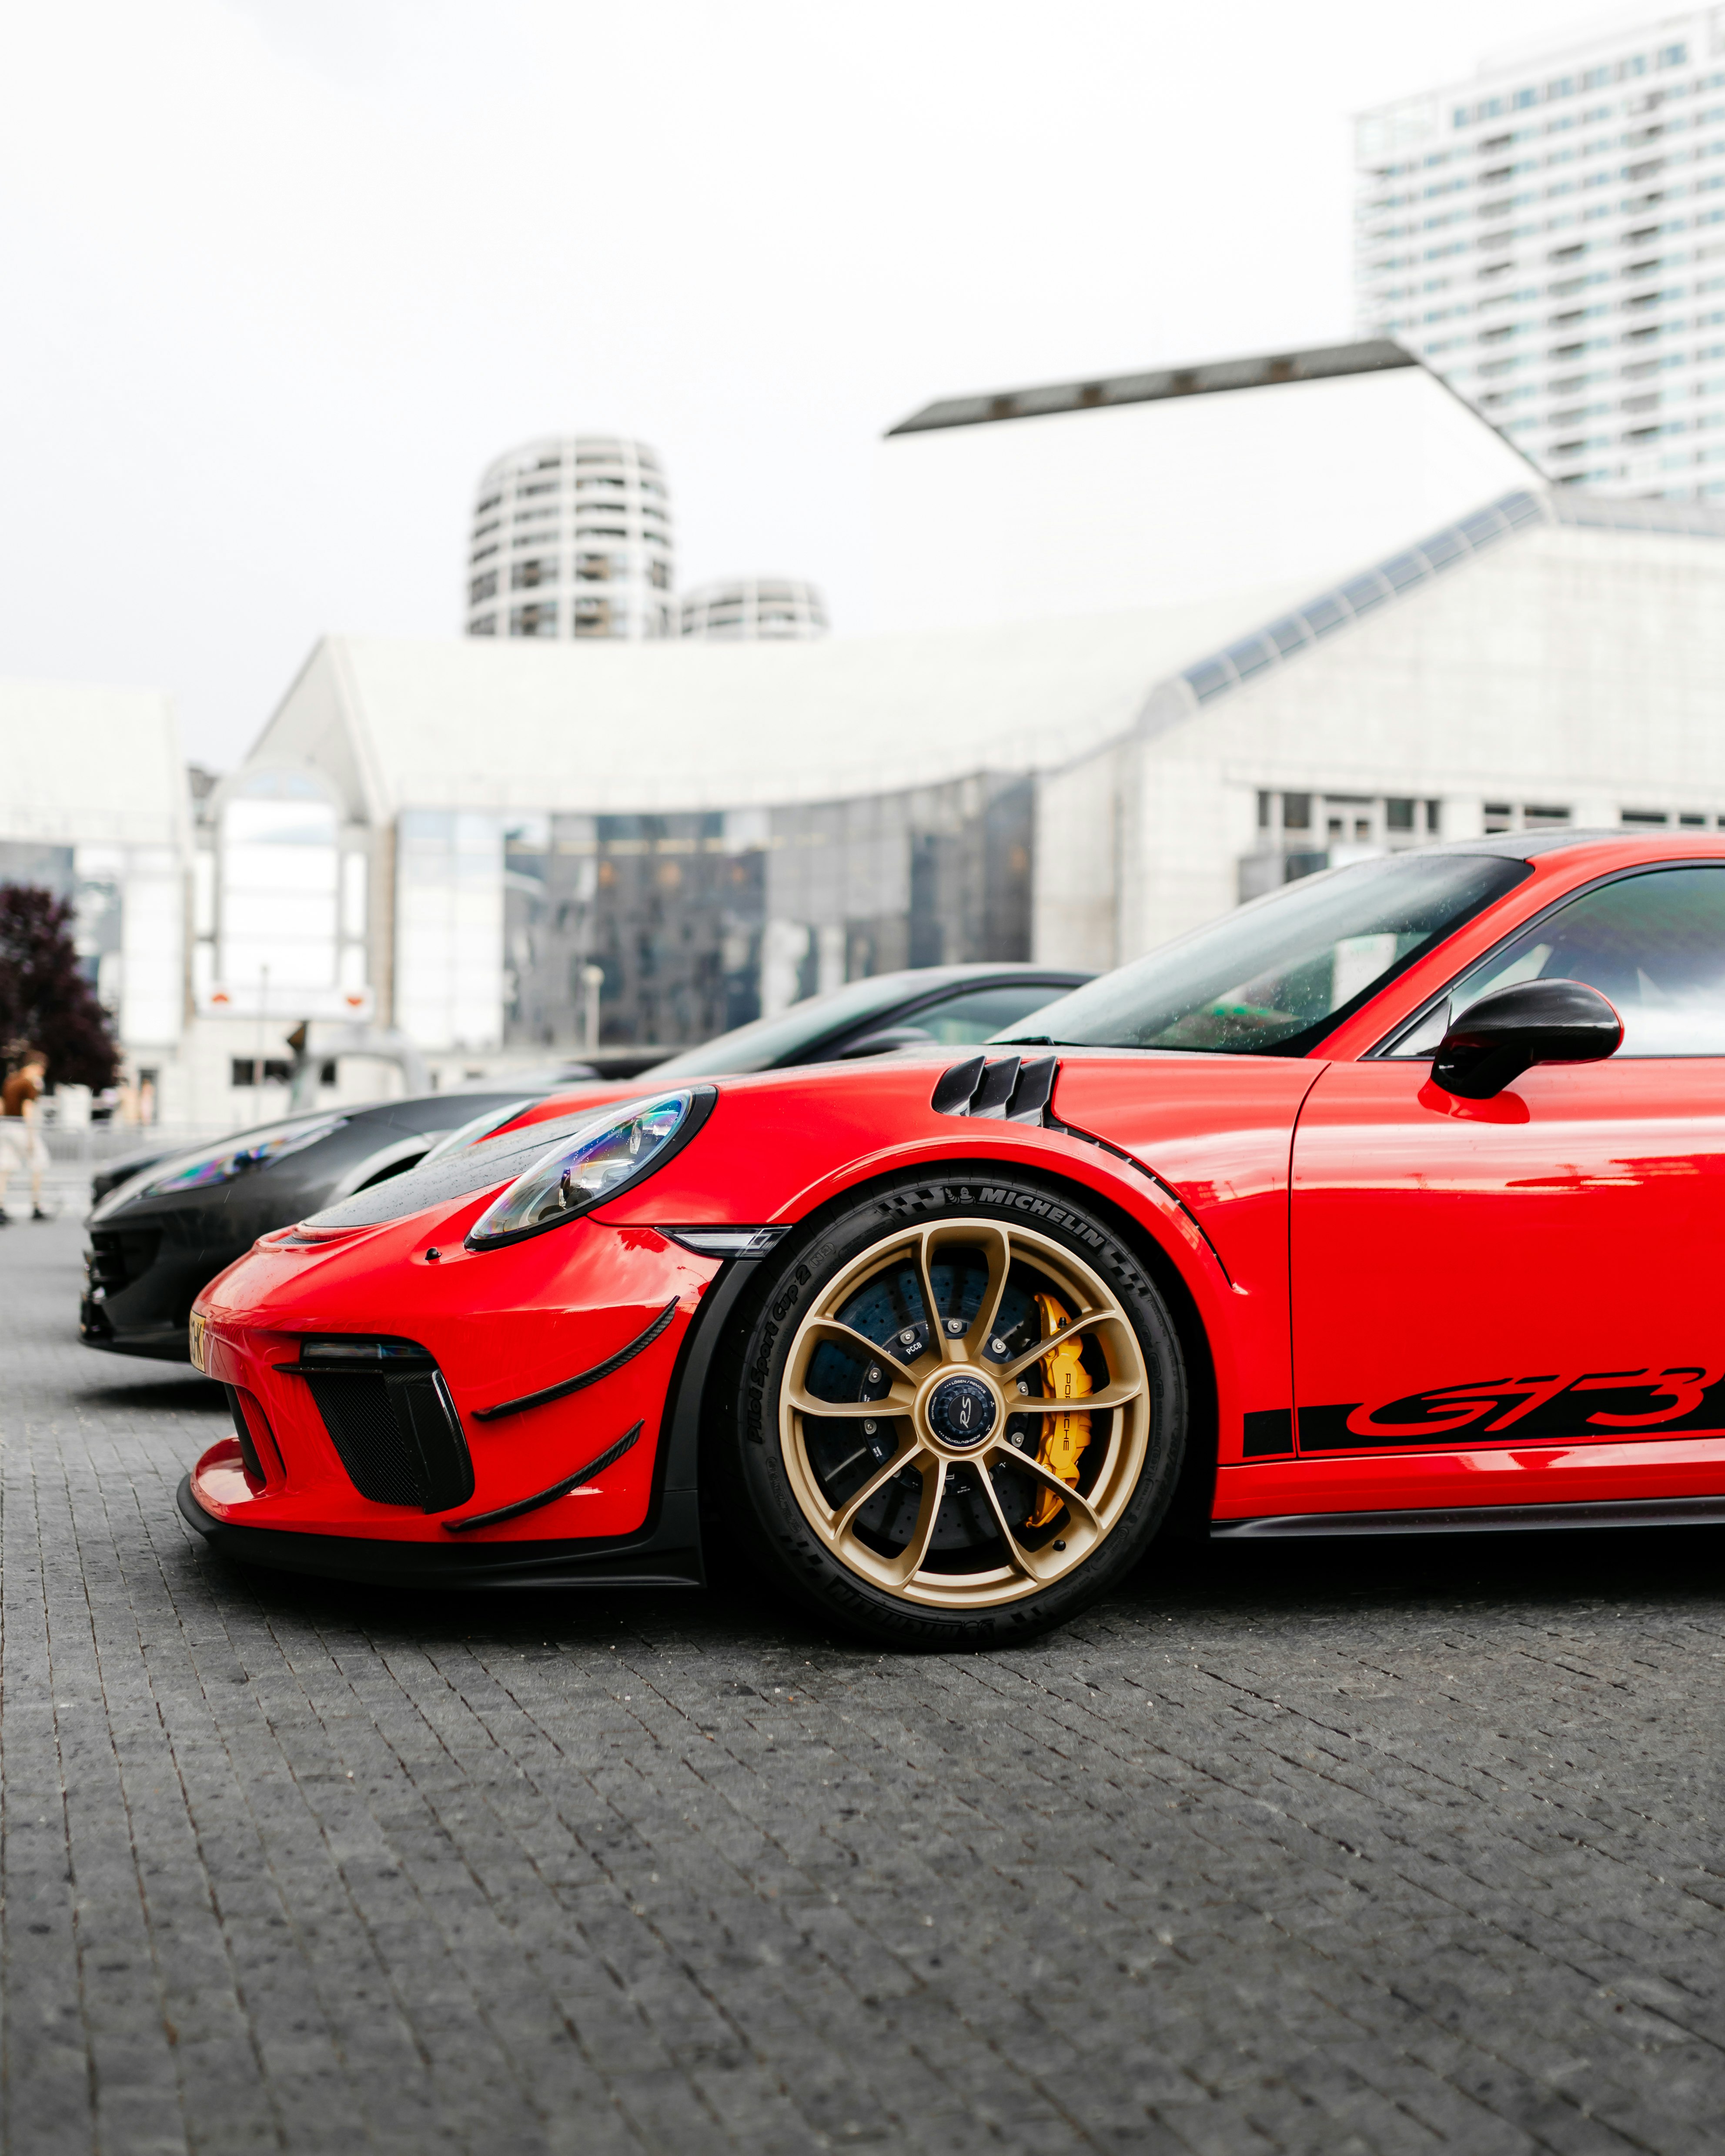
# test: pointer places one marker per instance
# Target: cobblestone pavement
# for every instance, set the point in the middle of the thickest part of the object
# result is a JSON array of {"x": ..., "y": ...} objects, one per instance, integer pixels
[{"x": 1295, "y": 1850}]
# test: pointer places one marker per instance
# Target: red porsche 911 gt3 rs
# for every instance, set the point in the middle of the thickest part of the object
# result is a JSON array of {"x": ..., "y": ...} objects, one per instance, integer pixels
[{"x": 1388, "y": 1202}]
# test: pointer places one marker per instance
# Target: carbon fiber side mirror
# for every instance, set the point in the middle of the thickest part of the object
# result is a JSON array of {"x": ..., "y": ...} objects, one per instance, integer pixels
[{"x": 1507, "y": 1032}]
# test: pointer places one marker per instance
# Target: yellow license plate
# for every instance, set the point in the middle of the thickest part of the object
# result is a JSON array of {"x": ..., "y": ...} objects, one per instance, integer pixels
[{"x": 198, "y": 1327}]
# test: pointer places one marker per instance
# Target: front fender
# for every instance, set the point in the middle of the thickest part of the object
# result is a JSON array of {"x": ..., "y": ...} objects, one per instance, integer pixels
[{"x": 782, "y": 1154}]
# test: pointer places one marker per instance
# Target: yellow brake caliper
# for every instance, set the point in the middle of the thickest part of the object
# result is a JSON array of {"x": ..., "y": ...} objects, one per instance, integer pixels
[{"x": 1064, "y": 1436}]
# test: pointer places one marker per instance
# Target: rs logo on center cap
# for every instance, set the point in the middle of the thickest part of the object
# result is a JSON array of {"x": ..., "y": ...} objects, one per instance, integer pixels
[{"x": 962, "y": 1411}]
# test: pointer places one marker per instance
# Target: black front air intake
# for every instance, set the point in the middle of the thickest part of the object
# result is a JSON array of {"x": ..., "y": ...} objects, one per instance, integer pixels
[
  {"x": 389, "y": 1415},
  {"x": 118, "y": 1256}
]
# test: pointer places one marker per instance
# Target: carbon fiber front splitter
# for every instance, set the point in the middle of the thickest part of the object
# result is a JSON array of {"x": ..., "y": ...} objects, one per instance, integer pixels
[{"x": 669, "y": 1555}]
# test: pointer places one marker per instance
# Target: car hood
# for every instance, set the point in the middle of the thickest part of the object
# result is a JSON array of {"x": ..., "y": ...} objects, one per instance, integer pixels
[
  {"x": 282, "y": 1190},
  {"x": 489, "y": 1166},
  {"x": 791, "y": 1128}
]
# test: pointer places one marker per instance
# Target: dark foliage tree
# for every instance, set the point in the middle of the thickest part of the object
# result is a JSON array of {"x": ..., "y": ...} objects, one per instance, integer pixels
[{"x": 44, "y": 998}]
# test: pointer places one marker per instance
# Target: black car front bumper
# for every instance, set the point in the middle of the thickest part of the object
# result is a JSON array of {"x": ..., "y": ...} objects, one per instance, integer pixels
[{"x": 139, "y": 1286}]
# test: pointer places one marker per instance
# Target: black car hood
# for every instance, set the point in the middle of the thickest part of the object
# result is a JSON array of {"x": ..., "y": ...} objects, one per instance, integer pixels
[{"x": 286, "y": 1190}]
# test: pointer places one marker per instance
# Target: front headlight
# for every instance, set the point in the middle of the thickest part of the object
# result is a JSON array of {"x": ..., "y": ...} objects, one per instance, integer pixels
[
  {"x": 596, "y": 1163},
  {"x": 222, "y": 1163}
]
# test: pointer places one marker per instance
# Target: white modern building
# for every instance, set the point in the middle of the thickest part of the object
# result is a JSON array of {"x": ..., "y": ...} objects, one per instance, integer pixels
[
  {"x": 1552, "y": 659},
  {"x": 754, "y": 609},
  {"x": 571, "y": 537},
  {"x": 437, "y": 837},
  {"x": 1549, "y": 236},
  {"x": 94, "y": 806},
  {"x": 722, "y": 829}
]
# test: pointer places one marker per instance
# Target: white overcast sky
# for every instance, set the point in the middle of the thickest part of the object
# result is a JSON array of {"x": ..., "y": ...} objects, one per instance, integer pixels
[{"x": 279, "y": 276}]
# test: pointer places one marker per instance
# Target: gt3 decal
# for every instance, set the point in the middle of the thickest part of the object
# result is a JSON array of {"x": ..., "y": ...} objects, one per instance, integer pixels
[{"x": 1544, "y": 1406}]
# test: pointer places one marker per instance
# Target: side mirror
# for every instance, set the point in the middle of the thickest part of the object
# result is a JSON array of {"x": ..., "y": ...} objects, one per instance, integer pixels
[
  {"x": 884, "y": 1042},
  {"x": 1506, "y": 1032}
]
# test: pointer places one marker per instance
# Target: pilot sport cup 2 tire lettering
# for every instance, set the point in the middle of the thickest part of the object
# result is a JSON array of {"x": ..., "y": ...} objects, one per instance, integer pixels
[{"x": 960, "y": 1414}]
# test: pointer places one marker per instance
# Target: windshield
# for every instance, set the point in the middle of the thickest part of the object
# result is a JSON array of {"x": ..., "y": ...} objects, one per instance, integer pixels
[
  {"x": 1276, "y": 977},
  {"x": 768, "y": 1042}
]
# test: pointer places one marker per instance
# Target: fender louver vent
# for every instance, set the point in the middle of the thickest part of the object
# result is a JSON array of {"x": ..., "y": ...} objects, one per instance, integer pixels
[
  {"x": 389, "y": 1415},
  {"x": 1007, "y": 1089}
]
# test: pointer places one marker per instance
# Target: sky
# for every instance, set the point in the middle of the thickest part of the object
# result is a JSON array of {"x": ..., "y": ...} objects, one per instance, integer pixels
[{"x": 278, "y": 277}]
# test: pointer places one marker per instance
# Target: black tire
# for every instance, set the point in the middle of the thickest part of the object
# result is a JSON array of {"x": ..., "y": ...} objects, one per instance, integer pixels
[{"x": 758, "y": 1463}]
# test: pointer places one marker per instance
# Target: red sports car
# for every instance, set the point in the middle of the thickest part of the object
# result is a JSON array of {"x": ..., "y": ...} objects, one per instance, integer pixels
[{"x": 1388, "y": 1202}]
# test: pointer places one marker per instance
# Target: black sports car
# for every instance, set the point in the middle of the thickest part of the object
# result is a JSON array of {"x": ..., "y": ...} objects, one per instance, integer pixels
[
  {"x": 157, "y": 1236},
  {"x": 953, "y": 1006},
  {"x": 177, "y": 1222}
]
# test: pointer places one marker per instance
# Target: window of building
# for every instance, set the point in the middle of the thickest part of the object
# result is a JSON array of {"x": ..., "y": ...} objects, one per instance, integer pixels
[
  {"x": 592, "y": 568},
  {"x": 482, "y": 587},
  {"x": 658, "y": 575},
  {"x": 244, "y": 1071},
  {"x": 541, "y": 569},
  {"x": 485, "y": 625},
  {"x": 1523, "y": 816},
  {"x": 592, "y": 618},
  {"x": 540, "y": 619}
]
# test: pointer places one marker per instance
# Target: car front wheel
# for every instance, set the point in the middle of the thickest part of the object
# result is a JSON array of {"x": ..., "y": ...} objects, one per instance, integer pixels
[{"x": 962, "y": 1413}]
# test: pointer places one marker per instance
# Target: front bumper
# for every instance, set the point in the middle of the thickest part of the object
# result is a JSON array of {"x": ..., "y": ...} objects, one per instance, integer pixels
[
  {"x": 543, "y": 1355},
  {"x": 139, "y": 1284},
  {"x": 161, "y": 1343}
]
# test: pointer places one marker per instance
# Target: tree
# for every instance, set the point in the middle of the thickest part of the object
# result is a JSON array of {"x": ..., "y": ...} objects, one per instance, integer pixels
[{"x": 44, "y": 996}]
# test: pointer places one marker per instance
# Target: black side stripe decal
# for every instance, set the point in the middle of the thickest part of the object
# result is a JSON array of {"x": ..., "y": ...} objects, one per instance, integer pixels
[
  {"x": 606, "y": 1459},
  {"x": 586, "y": 1377}
]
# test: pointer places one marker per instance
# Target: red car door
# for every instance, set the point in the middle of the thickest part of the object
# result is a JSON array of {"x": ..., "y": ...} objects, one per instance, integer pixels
[{"x": 1516, "y": 1301}]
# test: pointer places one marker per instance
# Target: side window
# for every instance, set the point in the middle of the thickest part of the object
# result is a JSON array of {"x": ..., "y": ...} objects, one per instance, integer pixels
[
  {"x": 963, "y": 1020},
  {"x": 1654, "y": 944}
]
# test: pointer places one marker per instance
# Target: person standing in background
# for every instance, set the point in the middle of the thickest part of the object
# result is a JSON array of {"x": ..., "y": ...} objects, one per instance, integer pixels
[{"x": 21, "y": 1142}]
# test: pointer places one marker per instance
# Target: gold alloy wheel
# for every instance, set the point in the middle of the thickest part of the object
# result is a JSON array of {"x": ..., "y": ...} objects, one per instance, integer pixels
[{"x": 955, "y": 1403}]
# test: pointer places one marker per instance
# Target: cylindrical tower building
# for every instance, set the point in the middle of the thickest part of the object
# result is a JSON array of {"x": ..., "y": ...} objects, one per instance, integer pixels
[
  {"x": 571, "y": 536},
  {"x": 754, "y": 609}
]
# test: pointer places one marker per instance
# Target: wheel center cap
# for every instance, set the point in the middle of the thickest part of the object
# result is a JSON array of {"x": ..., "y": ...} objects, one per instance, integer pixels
[{"x": 962, "y": 1411}]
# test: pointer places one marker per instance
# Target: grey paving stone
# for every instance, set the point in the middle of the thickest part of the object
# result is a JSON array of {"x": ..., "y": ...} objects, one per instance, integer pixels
[{"x": 1319, "y": 1851}]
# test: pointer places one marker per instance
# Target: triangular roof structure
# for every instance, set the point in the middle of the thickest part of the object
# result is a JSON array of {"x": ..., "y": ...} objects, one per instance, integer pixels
[{"x": 1173, "y": 486}]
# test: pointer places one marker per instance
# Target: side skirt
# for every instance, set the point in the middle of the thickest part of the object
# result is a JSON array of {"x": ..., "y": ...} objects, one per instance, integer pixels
[{"x": 1479, "y": 1519}]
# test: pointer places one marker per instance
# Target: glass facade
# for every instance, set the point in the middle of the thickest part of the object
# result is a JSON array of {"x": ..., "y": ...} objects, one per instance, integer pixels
[{"x": 699, "y": 922}]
